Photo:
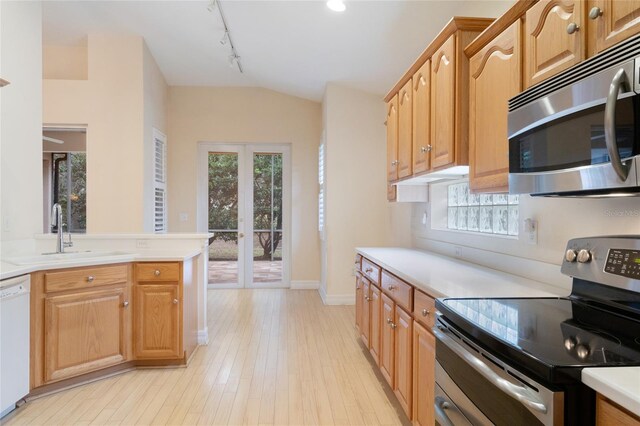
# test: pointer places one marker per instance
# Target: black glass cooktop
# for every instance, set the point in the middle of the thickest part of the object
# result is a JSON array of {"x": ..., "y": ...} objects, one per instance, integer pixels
[{"x": 553, "y": 338}]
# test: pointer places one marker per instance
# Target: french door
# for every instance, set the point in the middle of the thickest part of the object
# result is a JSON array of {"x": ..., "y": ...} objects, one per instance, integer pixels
[{"x": 244, "y": 200}]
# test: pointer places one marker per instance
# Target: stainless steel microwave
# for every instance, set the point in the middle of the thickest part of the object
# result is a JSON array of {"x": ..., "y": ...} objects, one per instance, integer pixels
[{"x": 578, "y": 134}]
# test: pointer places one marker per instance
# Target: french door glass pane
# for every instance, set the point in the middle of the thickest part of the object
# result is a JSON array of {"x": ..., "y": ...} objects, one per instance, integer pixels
[
  {"x": 71, "y": 177},
  {"x": 267, "y": 218},
  {"x": 223, "y": 218}
]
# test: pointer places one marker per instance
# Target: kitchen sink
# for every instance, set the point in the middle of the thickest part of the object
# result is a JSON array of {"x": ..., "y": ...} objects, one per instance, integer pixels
[{"x": 67, "y": 256}]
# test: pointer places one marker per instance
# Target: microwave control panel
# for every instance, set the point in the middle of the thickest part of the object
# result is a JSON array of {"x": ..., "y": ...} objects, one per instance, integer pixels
[{"x": 623, "y": 262}]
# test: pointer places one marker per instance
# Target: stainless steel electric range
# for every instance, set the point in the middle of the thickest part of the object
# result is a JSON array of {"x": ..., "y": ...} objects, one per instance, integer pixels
[{"x": 518, "y": 361}]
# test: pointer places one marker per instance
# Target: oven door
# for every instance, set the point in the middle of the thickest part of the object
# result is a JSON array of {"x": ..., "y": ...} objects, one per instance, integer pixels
[
  {"x": 502, "y": 395},
  {"x": 583, "y": 137}
]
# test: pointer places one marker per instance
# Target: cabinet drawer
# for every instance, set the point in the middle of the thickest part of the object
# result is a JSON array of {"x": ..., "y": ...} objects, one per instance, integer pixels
[
  {"x": 85, "y": 278},
  {"x": 400, "y": 291},
  {"x": 358, "y": 262},
  {"x": 424, "y": 309},
  {"x": 371, "y": 270},
  {"x": 158, "y": 272}
]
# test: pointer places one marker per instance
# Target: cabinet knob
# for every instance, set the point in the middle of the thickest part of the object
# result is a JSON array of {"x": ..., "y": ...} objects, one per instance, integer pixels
[
  {"x": 392, "y": 287},
  {"x": 393, "y": 326},
  {"x": 425, "y": 312},
  {"x": 175, "y": 301},
  {"x": 394, "y": 163},
  {"x": 125, "y": 304},
  {"x": 595, "y": 13},
  {"x": 367, "y": 298},
  {"x": 424, "y": 149},
  {"x": 369, "y": 270},
  {"x": 388, "y": 320},
  {"x": 90, "y": 278},
  {"x": 156, "y": 273},
  {"x": 572, "y": 28}
]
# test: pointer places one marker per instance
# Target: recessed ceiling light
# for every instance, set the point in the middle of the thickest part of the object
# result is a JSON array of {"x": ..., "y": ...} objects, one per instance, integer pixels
[{"x": 336, "y": 5}]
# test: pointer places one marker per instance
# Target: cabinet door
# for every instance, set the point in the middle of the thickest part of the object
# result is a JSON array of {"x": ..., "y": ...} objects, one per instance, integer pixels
[
  {"x": 495, "y": 78},
  {"x": 424, "y": 364},
  {"x": 403, "y": 328},
  {"x": 405, "y": 131},
  {"x": 387, "y": 340},
  {"x": 392, "y": 139},
  {"x": 421, "y": 140},
  {"x": 365, "y": 320},
  {"x": 443, "y": 80},
  {"x": 84, "y": 332},
  {"x": 391, "y": 192},
  {"x": 374, "y": 338},
  {"x": 616, "y": 21},
  {"x": 554, "y": 38},
  {"x": 359, "y": 302},
  {"x": 157, "y": 321}
]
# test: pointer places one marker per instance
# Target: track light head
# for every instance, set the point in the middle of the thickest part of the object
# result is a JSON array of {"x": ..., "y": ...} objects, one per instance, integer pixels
[
  {"x": 212, "y": 5},
  {"x": 225, "y": 38}
]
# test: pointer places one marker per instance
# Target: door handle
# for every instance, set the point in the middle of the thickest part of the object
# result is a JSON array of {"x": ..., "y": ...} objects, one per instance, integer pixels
[
  {"x": 441, "y": 416},
  {"x": 621, "y": 169}
]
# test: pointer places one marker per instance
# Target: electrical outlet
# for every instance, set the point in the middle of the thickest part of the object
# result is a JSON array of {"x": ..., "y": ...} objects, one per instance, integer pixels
[
  {"x": 531, "y": 231},
  {"x": 142, "y": 244},
  {"x": 458, "y": 251}
]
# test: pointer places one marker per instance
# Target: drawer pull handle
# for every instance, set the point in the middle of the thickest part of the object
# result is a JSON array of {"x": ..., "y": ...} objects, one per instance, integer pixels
[
  {"x": 369, "y": 270},
  {"x": 90, "y": 278},
  {"x": 392, "y": 287},
  {"x": 426, "y": 312},
  {"x": 125, "y": 303},
  {"x": 156, "y": 273},
  {"x": 175, "y": 301}
]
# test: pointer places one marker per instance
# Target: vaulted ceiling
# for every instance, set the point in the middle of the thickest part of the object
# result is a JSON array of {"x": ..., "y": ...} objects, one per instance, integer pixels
[{"x": 294, "y": 47}]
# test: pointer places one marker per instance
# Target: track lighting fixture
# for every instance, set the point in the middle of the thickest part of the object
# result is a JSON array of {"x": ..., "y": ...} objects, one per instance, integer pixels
[
  {"x": 234, "y": 58},
  {"x": 336, "y": 5}
]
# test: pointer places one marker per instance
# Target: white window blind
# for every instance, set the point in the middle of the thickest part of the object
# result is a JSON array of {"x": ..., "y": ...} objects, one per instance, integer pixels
[
  {"x": 321, "y": 192},
  {"x": 160, "y": 184}
]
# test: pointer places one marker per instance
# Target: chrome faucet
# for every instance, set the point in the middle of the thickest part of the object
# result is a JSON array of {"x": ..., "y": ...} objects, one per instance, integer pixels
[{"x": 56, "y": 220}]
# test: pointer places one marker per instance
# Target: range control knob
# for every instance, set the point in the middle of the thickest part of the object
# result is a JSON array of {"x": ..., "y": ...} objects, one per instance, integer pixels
[
  {"x": 584, "y": 256},
  {"x": 571, "y": 255}
]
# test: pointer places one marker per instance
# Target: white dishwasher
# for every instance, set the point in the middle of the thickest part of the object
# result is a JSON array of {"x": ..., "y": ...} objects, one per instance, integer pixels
[{"x": 14, "y": 342}]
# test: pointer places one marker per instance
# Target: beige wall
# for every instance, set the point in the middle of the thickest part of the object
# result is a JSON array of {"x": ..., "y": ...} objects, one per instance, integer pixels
[
  {"x": 20, "y": 120},
  {"x": 357, "y": 213},
  {"x": 120, "y": 101},
  {"x": 247, "y": 115},
  {"x": 65, "y": 62}
]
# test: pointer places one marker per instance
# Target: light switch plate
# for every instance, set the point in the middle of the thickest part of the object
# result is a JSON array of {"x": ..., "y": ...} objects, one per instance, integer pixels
[{"x": 142, "y": 244}]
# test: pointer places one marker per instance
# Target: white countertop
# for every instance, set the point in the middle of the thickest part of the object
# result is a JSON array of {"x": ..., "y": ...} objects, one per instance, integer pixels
[
  {"x": 9, "y": 270},
  {"x": 442, "y": 276},
  {"x": 619, "y": 384}
]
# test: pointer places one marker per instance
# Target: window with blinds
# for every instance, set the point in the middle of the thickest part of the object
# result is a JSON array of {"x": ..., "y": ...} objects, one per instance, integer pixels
[
  {"x": 160, "y": 184},
  {"x": 321, "y": 192}
]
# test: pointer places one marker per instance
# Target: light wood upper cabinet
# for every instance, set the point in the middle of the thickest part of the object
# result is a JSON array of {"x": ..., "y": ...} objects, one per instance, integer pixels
[
  {"x": 495, "y": 73},
  {"x": 610, "y": 22},
  {"x": 374, "y": 340},
  {"x": 403, "y": 328},
  {"x": 157, "y": 330},
  {"x": 84, "y": 332},
  {"x": 443, "y": 104},
  {"x": 554, "y": 38},
  {"x": 387, "y": 340},
  {"x": 392, "y": 139},
  {"x": 424, "y": 364},
  {"x": 421, "y": 139},
  {"x": 405, "y": 131}
]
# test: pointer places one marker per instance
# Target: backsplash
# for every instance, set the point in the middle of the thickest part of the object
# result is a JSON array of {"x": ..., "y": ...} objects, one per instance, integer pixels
[{"x": 558, "y": 220}]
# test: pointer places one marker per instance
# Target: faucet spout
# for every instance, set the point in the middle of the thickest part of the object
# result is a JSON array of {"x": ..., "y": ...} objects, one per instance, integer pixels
[{"x": 56, "y": 220}]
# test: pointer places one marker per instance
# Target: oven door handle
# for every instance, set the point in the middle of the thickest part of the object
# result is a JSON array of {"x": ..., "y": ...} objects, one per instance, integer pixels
[
  {"x": 621, "y": 169},
  {"x": 441, "y": 416},
  {"x": 525, "y": 395}
]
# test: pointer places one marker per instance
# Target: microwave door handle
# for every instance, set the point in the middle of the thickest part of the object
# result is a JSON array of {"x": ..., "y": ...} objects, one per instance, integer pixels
[
  {"x": 440, "y": 406},
  {"x": 620, "y": 168},
  {"x": 520, "y": 393}
]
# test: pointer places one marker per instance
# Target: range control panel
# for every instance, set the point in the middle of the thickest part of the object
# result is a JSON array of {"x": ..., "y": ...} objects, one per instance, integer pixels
[{"x": 623, "y": 262}]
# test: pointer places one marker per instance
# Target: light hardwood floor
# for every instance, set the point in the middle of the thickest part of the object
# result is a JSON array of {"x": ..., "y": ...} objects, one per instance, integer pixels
[{"x": 274, "y": 357}]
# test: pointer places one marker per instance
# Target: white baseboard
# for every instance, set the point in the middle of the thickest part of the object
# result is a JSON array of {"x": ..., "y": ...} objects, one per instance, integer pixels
[
  {"x": 336, "y": 299},
  {"x": 305, "y": 285},
  {"x": 203, "y": 336}
]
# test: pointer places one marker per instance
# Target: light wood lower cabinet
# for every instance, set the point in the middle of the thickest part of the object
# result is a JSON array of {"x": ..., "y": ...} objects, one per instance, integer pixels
[
  {"x": 374, "y": 338},
  {"x": 403, "y": 329},
  {"x": 424, "y": 361},
  {"x": 365, "y": 319},
  {"x": 359, "y": 302},
  {"x": 157, "y": 321},
  {"x": 611, "y": 414},
  {"x": 85, "y": 331},
  {"x": 387, "y": 340}
]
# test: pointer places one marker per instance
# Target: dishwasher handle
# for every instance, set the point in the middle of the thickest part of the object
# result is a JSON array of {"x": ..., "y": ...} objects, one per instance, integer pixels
[{"x": 520, "y": 393}]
